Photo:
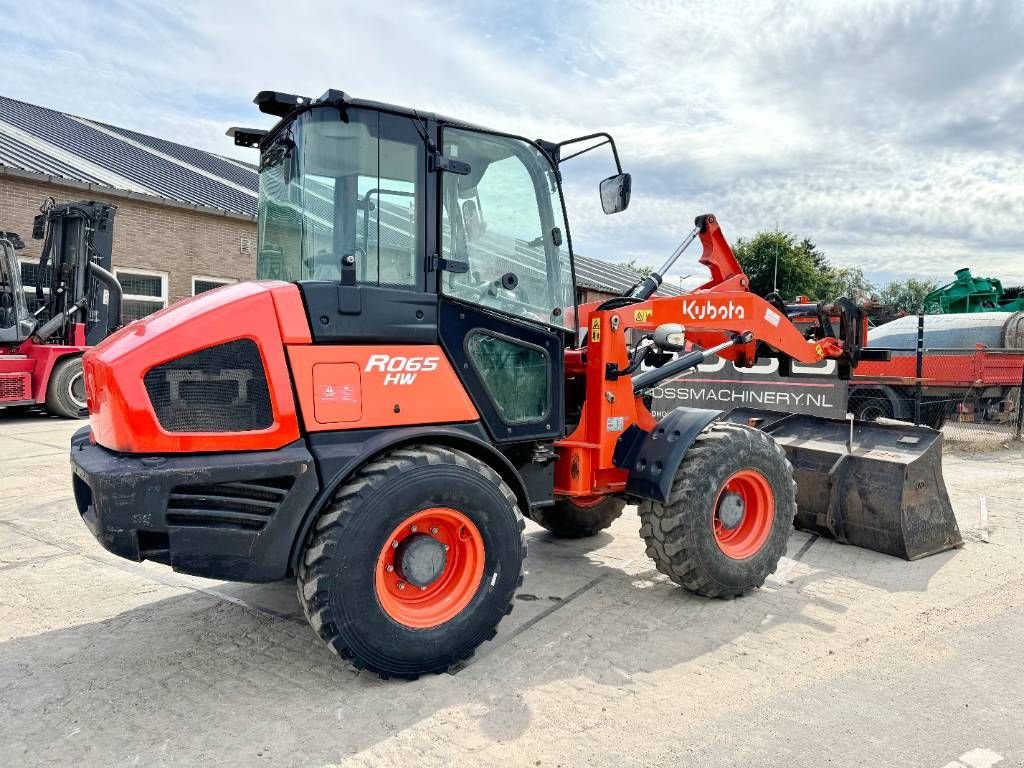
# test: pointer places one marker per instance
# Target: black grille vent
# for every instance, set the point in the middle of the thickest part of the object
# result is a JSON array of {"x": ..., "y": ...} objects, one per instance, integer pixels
[
  {"x": 218, "y": 389},
  {"x": 246, "y": 505}
]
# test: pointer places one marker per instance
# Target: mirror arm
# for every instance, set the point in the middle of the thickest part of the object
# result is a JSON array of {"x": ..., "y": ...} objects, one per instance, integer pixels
[{"x": 602, "y": 135}]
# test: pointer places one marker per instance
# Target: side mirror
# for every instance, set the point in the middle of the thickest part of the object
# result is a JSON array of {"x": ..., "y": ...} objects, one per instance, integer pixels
[
  {"x": 615, "y": 193},
  {"x": 670, "y": 337}
]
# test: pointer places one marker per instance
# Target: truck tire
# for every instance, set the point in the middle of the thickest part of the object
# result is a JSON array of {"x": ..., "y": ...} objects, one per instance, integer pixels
[
  {"x": 729, "y": 514},
  {"x": 65, "y": 392},
  {"x": 871, "y": 407},
  {"x": 933, "y": 413},
  {"x": 580, "y": 517},
  {"x": 414, "y": 562}
]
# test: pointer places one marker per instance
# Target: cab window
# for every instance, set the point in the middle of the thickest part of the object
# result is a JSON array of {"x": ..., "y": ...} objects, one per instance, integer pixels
[
  {"x": 504, "y": 220},
  {"x": 332, "y": 187}
]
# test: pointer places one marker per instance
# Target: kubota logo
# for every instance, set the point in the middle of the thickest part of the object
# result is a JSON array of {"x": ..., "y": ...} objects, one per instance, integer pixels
[
  {"x": 705, "y": 310},
  {"x": 400, "y": 370}
]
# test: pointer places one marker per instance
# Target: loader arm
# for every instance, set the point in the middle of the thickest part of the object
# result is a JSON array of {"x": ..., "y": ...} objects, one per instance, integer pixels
[{"x": 722, "y": 311}]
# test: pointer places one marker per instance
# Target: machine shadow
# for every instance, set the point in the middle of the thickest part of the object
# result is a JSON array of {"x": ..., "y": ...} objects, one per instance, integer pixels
[{"x": 219, "y": 667}]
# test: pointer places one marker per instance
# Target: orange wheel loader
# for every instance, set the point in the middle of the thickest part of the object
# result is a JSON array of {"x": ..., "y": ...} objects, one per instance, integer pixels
[{"x": 411, "y": 377}]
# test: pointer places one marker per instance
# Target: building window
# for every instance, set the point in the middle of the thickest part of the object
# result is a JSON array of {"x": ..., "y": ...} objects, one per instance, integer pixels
[
  {"x": 202, "y": 283},
  {"x": 143, "y": 292}
]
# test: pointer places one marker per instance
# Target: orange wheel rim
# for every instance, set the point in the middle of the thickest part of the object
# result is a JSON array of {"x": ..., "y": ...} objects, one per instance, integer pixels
[
  {"x": 438, "y": 597},
  {"x": 743, "y": 514}
]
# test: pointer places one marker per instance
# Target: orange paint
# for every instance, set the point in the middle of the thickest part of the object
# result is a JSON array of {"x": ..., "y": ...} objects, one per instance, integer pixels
[
  {"x": 291, "y": 314},
  {"x": 120, "y": 413},
  {"x": 454, "y": 587},
  {"x": 388, "y": 386}
]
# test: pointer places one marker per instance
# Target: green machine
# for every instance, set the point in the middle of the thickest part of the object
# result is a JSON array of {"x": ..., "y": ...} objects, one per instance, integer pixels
[{"x": 972, "y": 294}]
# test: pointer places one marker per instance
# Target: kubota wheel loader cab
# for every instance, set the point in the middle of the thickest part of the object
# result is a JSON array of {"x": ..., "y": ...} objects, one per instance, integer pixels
[{"x": 376, "y": 413}]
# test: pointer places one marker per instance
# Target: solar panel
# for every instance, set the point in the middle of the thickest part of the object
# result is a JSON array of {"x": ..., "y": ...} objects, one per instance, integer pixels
[
  {"x": 163, "y": 177},
  {"x": 197, "y": 157},
  {"x": 17, "y": 154}
]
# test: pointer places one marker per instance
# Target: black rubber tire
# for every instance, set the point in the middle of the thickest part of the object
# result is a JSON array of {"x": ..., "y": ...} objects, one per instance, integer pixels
[
  {"x": 335, "y": 579},
  {"x": 569, "y": 521},
  {"x": 933, "y": 413},
  {"x": 680, "y": 535},
  {"x": 66, "y": 384},
  {"x": 871, "y": 407}
]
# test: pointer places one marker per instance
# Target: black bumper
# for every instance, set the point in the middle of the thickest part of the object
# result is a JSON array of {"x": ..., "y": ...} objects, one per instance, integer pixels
[{"x": 225, "y": 516}]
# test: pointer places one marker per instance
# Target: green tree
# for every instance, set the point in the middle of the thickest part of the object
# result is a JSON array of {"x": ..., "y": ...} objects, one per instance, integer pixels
[
  {"x": 643, "y": 269},
  {"x": 801, "y": 266},
  {"x": 845, "y": 281},
  {"x": 906, "y": 295}
]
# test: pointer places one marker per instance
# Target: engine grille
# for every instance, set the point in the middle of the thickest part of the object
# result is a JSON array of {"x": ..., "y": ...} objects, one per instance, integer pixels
[
  {"x": 217, "y": 389},
  {"x": 246, "y": 505},
  {"x": 15, "y": 387}
]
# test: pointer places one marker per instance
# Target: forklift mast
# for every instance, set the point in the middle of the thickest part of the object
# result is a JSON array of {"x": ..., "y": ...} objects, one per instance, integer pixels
[
  {"x": 75, "y": 284},
  {"x": 72, "y": 302}
]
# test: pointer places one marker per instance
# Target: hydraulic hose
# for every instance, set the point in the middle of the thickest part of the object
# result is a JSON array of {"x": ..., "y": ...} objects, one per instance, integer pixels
[{"x": 105, "y": 277}]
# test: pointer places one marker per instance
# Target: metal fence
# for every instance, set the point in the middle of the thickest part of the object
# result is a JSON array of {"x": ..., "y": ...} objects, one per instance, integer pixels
[{"x": 973, "y": 394}]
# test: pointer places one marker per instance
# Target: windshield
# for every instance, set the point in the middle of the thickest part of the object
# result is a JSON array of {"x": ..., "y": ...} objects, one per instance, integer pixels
[
  {"x": 504, "y": 220},
  {"x": 13, "y": 305},
  {"x": 330, "y": 188}
]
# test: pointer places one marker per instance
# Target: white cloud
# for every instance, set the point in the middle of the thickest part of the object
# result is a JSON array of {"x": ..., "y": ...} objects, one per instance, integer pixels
[{"x": 886, "y": 131}]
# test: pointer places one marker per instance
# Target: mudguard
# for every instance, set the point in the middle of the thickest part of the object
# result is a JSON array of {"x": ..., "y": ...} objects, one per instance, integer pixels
[
  {"x": 652, "y": 458},
  {"x": 340, "y": 454}
]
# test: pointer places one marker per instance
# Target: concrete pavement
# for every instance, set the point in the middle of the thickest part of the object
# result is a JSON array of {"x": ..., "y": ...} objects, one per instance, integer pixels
[{"x": 845, "y": 658}]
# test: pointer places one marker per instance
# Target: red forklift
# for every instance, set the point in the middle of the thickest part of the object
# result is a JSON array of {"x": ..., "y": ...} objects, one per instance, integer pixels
[{"x": 78, "y": 305}]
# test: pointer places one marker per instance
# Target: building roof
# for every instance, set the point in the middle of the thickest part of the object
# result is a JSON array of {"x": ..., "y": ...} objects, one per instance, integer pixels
[
  {"x": 600, "y": 275},
  {"x": 59, "y": 145},
  {"x": 45, "y": 141}
]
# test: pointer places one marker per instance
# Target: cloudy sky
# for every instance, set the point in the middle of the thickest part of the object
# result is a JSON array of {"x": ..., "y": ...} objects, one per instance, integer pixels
[{"x": 888, "y": 132}]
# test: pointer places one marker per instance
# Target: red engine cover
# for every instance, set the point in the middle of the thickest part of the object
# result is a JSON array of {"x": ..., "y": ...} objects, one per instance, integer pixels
[{"x": 120, "y": 413}]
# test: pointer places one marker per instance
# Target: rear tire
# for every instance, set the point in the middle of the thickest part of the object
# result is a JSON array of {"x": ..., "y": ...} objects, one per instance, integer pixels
[
  {"x": 687, "y": 539},
  {"x": 569, "y": 519},
  {"x": 65, "y": 392},
  {"x": 349, "y": 572}
]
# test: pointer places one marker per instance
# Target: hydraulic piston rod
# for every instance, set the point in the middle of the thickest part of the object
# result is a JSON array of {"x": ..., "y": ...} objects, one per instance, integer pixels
[
  {"x": 646, "y": 287},
  {"x": 686, "y": 362}
]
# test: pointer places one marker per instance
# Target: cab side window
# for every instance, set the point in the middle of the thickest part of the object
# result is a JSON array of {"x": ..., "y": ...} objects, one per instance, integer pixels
[{"x": 500, "y": 221}]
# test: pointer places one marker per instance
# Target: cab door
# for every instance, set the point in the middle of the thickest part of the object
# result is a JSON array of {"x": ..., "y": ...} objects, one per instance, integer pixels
[{"x": 507, "y": 303}]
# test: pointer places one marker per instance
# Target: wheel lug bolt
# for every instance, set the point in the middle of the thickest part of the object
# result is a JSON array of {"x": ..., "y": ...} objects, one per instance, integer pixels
[
  {"x": 445, "y": 547},
  {"x": 433, "y": 531},
  {"x": 413, "y": 528},
  {"x": 394, "y": 544},
  {"x": 389, "y": 568},
  {"x": 423, "y": 589},
  {"x": 401, "y": 585}
]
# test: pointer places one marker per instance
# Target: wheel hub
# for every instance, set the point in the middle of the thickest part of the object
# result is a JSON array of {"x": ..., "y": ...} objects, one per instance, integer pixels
[
  {"x": 420, "y": 559},
  {"x": 430, "y": 567},
  {"x": 743, "y": 514},
  {"x": 731, "y": 510}
]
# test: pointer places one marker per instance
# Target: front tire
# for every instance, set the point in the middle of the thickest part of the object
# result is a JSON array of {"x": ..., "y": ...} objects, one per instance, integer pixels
[
  {"x": 579, "y": 518},
  {"x": 65, "y": 392},
  {"x": 414, "y": 562},
  {"x": 729, "y": 514}
]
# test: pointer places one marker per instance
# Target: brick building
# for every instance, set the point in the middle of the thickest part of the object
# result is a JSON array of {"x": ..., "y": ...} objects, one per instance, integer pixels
[{"x": 185, "y": 218}]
